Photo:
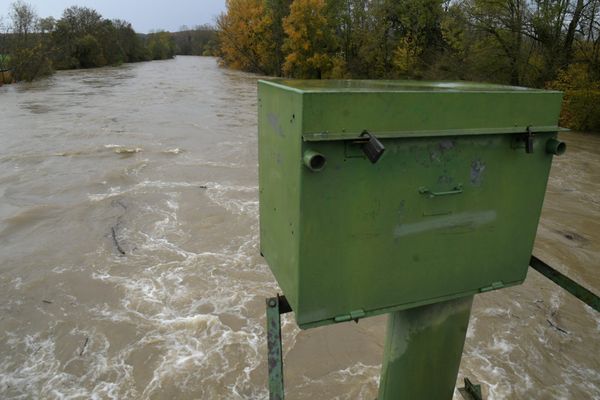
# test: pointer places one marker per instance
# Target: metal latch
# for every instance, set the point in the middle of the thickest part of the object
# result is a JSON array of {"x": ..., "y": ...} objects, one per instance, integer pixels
[
  {"x": 527, "y": 139},
  {"x": 372, "y": 147}
]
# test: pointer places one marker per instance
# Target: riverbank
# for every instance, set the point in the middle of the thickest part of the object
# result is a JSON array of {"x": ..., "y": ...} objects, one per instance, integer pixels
[{"x": 34, "y": 47}]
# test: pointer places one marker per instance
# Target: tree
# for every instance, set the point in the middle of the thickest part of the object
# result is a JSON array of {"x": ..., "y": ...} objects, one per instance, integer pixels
[
  {"x": 130, "y": 42},
  {"x": 68, "y": 37},
  {"x": 503, "y": 21},
  {"x": 160, "y": 45},
  {"x": 84, "y": 39},
  {"x": 310, "y": 41},
  {"x": 89, "y": 52},
  {"x": 199, "y": 41},
  {"x": 246, "y": 37},
  {"x": 5, "y": 76},
  {"x": 277, "y": 11},
  {"x": 420, "y": 36},
  {"x": 548, "y": 21},
  {"x": 351, "y": 21},
  {"x": 28, "y": 57},
  {"x": 47, "y": 25},
  {"x": 24, "y": 21}
]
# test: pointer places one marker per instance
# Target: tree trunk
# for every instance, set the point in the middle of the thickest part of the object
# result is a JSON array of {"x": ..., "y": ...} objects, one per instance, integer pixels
[{"x": 570, "y": 37}]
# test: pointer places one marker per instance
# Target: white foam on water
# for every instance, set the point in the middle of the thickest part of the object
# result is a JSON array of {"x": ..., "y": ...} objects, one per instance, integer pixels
[
  {"x": 359, "y": 381},
  {"x": 593, "y": 315},
  {"x": 128, "y": 150},
  {"x": 221, "y": 194},
  {"x": 39, "y": 375},
  {"x": 142, "y": 187},
  {"x": 585, "y": 378},
  {"x": 496, "y": 312},
  {"x": 501, "y": 345},
  {"x": 472, "y": 327},
  {"x": 17, "y": 282},
  {"x": 199, "y": 352}
]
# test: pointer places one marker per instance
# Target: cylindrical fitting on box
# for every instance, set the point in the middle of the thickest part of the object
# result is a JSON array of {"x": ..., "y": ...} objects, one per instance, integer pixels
[
  {"x": 555, "y": 147},
  {"x": 314, "y": 161}
]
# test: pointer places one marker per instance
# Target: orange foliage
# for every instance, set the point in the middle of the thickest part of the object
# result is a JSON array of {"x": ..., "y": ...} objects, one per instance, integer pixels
[
  {"x": 308, "y": 43},
  {"x": 245, "y": 34}
]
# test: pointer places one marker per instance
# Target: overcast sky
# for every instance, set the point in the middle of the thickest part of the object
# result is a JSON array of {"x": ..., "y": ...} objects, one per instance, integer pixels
[{"x": 144, "y": 15}]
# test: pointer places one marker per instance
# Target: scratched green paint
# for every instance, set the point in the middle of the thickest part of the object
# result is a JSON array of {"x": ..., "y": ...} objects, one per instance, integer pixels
[{"x": 363, "y": 239}]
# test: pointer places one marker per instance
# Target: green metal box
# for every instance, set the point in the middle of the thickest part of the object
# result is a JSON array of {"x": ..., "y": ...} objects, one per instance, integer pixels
[{"x": 450, "y": 209}]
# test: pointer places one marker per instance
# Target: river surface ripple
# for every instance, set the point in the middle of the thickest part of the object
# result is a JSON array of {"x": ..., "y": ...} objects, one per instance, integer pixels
[{"x": 129, "y": 262}]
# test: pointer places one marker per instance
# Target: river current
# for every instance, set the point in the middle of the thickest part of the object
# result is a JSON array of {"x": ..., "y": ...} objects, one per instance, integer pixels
[{"x": 130, "y": 268}]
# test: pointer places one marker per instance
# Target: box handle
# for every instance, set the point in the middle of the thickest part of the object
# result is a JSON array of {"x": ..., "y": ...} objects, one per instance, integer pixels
[{"x": 458, "y": 189}]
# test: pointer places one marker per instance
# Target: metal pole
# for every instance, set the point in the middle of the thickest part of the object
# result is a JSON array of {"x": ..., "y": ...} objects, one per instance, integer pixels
[
  {"x": 423, "y": 350},
  {"x": 275, "y": 307},
  {"x": 275, "y": 359},
  {"x": 583, "y": 294}
]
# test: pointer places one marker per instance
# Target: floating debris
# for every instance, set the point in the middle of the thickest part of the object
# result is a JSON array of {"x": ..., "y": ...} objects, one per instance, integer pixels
[
  {"x": 558, "y": 328},
  {"x": 116, "y": 241},
  {"x": 87, "y": 339}
]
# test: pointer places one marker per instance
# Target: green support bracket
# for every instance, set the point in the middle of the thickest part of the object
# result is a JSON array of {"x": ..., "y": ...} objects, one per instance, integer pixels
[
  {"x": 275, "y": 307},
  {"x": 471, "y": 391},
  {"x": 566, "y": 283}
]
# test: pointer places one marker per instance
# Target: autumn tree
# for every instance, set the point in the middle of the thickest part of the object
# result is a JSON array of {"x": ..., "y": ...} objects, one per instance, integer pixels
[
  {"x": 277, "y": 11},
  {"x": 310, "y": 41},
  {"x": 246, "y": 37}
]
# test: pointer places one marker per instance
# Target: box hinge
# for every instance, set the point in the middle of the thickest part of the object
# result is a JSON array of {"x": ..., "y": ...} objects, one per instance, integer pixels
[
  {"x": 352, "y": 316},
  {"x": 493, "y": 286}
]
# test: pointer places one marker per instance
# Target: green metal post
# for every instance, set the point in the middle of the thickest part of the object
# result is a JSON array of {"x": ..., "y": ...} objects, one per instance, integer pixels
[
  {"x": 275, "y": 358},
  {"x": 423, "y": 351},
  {"x": 275, "y": 307}
]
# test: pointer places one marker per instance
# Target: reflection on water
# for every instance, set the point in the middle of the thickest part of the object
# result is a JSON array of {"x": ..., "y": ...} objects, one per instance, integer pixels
[{"x": 129, "y": 263}]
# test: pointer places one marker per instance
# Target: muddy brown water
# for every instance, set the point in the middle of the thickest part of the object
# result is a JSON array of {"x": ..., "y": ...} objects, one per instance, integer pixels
[{"x": 159, "y": 161}]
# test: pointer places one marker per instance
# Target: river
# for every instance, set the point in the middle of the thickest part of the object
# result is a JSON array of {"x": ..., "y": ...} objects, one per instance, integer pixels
[{"x": 130, "y": 269}]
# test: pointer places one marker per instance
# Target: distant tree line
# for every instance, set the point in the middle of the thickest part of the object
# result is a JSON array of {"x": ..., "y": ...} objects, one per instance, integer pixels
[
  {"x": 536, "y": 43},
  {"x": 199, "y": 41},
  {"x": 31, "y": 47}
]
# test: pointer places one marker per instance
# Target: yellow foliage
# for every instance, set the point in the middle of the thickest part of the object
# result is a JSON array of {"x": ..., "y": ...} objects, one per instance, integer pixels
[
  {"x": 406, "y": 56},
  {"x": 245, "y": 35},
  {"x": 581, "y": 103},
  {"x": 453, "y": 34},
  {"x": 308, "y": 43}
]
